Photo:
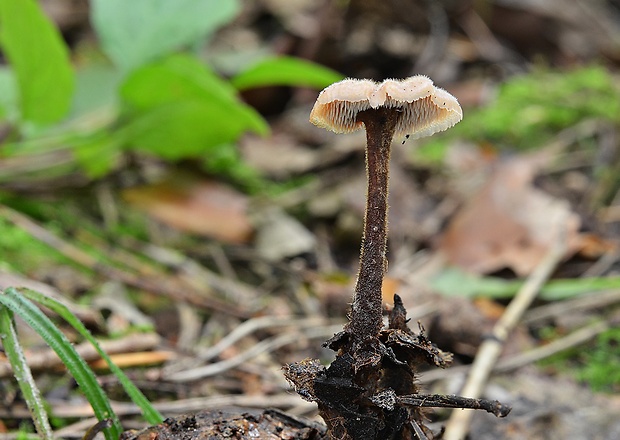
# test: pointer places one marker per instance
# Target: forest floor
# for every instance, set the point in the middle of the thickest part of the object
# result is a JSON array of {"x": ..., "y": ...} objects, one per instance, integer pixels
[{"x": 202, "y": 290}]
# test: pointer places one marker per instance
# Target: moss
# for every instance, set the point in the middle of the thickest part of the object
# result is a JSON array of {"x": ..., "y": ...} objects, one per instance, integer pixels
[
  {"x": 530, "y": 109},
  {"x": 23, "y": 253},
  {"x": 596, "y": 364}
]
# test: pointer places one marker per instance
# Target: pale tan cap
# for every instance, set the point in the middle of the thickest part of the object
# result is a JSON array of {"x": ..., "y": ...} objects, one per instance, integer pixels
[{"x": 426, "y": 109}]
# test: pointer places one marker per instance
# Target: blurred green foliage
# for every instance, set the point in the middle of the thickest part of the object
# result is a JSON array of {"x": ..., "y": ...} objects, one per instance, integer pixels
[
  {"x": 20, "y": 250},
  {"x": 455, "y": 282},
  {"x": 134, "y": 33},
  {"x": 530, "y": 109},
  {"x": 39, "y": 62},
  {"x": 598, "y": 364},
  {"x": 155, "y": 95}
]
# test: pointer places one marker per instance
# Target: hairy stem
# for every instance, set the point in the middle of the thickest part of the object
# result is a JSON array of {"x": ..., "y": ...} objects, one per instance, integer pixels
[{"x": 366, "y": 311}]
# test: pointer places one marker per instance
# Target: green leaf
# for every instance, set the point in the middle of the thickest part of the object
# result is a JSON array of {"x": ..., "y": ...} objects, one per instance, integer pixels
[
  {"x": 137, "y": 31},
  {"x": 39, "y": 59},
  {"x": 286, "y": 71},
  {"x": 455, "y": 282},
  {"x": 23, "y": 375},
  {"x": 9, "y": 101},
  {"x": 183, "y": 129},
  {"x": 77, "y": 367},
  {"x": 150, "y": 413},
  {"x": 96, "y": 89},
  {"x": 173, "y": 79},
  {"x": 97, "y": 154},
  {"x": 177, "y": 108},
  {"x": 561, "y": 289}
]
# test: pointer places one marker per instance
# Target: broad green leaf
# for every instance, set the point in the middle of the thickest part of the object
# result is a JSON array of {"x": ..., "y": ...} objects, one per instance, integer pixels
[
  {"x": 455, "y": 282},
  {"x": 9, "y": 105},
  {"x": 183, "y": 129},
  {"x": 173, "y": 79},
  {"x": 178, "y": 108},
  {"x": 23, "y": 375},
  {"x": 286, "y": 71},
  {"x": 138, "y": 31},
  {"x": 78, "y": 368},
  {"x": 97, "y": 154},
  {"x": 40, "y": 60},
  {"x": 96, "y": 89}
]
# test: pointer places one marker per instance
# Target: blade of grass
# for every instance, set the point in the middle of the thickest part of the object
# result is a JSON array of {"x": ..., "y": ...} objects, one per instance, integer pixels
[
  {"x": 78, "y": 368},
  {"x": 23, "y": 375},
  {"x": 150, "y": 414},
  {"x": 453, "y": 281}
]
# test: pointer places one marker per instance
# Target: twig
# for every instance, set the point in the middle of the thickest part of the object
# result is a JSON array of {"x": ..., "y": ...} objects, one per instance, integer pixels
[
  {"x": 451, "y": 401},
  {"x": 193, "y": 272},
  {"x": 156, "y": 284},
  {"x": 602, "y": 265},
  {"x": 75, "y": 430},
  {"x": 573, "y": 339},
  {"x": 48, "y": 358},
  {"x": 262, "y": 323},
  {"x": 265, "y": 346},
  {"x": 86, "y": 314},
  {"x": 585, "y": 302},
  {"x": 458, "y": 424},
  {"x": 73, "y": 410},
  {"x": 241, "y": 331}
]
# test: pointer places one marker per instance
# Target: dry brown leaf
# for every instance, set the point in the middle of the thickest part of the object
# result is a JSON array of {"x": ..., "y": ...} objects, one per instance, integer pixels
[
  {"x": 281, "y": 236},
  {"x": 278, "y": 155},
  {"x": 198, "y": 206},
  {"x": 509, "y": 223},
  {"x": 389, "y": 287}
]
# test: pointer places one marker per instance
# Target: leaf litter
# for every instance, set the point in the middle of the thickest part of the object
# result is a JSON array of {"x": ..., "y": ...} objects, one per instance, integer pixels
[{"x": 517, "y": 213}]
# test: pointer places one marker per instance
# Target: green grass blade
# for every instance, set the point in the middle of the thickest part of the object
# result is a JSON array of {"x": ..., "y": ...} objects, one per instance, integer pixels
[
  {"x": 80, "y": 371},
  {"x": 151, "y": 415},
  {"x": 456, "y": 282},
  {"x": 23, "y": 375}
]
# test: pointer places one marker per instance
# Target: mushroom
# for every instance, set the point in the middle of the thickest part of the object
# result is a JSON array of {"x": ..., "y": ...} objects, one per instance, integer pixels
[{"x": 413, "y": 106}]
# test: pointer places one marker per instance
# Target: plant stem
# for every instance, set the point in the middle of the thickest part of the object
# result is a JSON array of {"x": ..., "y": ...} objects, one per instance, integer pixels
[{"x": 366, "y": 311}]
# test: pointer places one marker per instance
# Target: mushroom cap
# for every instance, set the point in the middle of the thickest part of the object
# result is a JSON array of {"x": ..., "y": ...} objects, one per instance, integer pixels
[{"x": 426, "y": 109}]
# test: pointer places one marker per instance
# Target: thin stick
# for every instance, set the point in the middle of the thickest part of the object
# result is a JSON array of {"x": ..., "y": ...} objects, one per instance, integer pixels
[
  {"x": 581, "y": 303},
  {"x": 165, "y": 286},
  {"x": 48, "y": 359},
  {"x": 64, "y": 410},
  {"x": 451, "y": 401},
  {"x": 573, "y": 339},
  {"x": 265, "y": 346},
  {"x": 458, "y": 424}
]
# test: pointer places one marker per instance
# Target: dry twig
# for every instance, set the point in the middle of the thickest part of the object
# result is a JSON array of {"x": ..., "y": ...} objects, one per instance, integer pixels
[
  {"x": 489, "y": 351},
  {"x": 168, "y": 286},
  {"x": 48, "y": 358}
]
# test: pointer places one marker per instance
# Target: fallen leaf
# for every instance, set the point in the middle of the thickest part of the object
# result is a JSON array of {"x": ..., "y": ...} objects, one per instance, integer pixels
[
  {"x": 389, "y": 287},
  {"x": 195, "y": 205},
  {"x": 509, "y": 223},
  {"x": 278, "y": 156},
  {"x": 282, "y": 236}
]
